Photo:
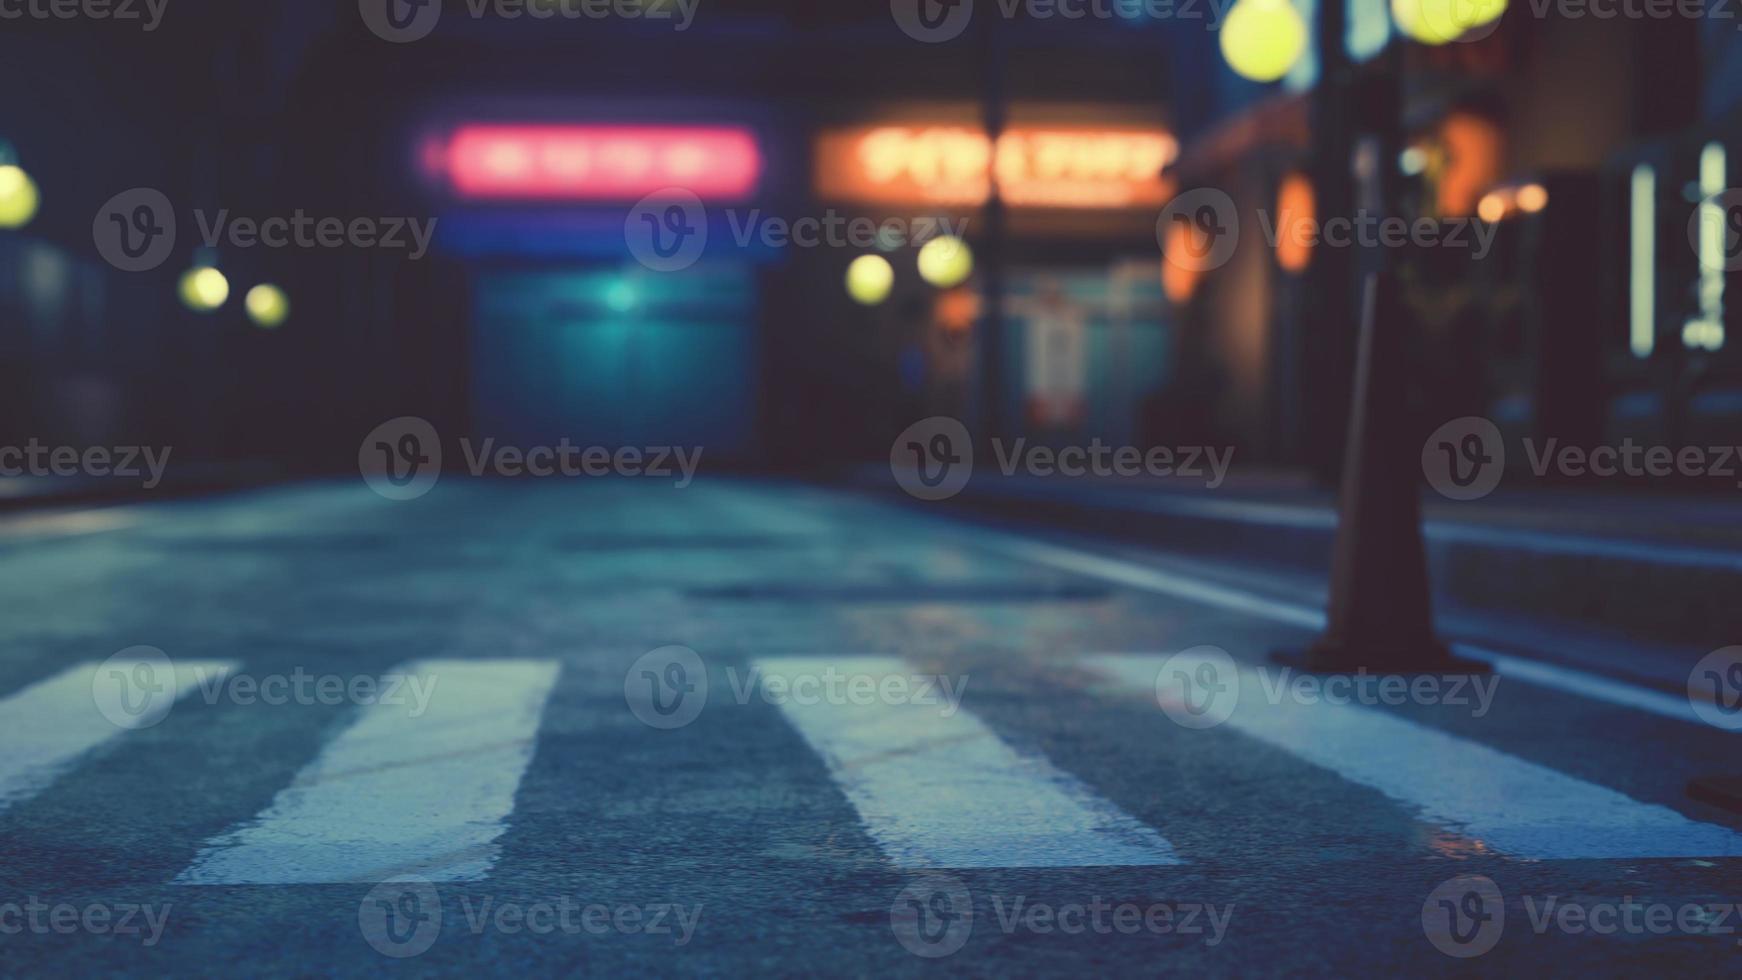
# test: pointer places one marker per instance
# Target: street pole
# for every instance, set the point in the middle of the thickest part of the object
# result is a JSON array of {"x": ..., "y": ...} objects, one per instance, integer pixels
[
  {"x": 1329, "y": 344},
  {"x": 991, "y": 327}
]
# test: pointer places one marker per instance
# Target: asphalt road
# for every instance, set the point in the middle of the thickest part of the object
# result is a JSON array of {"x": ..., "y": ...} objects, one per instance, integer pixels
[{"x": 748, "y": 728}]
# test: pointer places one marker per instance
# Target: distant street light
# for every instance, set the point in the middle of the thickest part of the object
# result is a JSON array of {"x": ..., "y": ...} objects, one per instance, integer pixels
[
  {"x": 267, "y": 306},
  {"x": 946, "y": 262},
  {"x": 204, "y": 289},
  {"x": 18, "y": 197},
  {"x": 1438, "y": 22},
  {"x": 1493, "y": 206},
  {"x": 870, "y": 278},
  {"x": 1262, "y": 39}
]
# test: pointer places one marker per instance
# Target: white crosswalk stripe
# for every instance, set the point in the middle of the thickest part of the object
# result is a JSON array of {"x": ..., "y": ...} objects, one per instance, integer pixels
[
  {"x": 52, "y": 724},
  {"x": 939, "y": 789},
  {"x": 1505, "y": 803},
  {"x": 399, "y": 792}
]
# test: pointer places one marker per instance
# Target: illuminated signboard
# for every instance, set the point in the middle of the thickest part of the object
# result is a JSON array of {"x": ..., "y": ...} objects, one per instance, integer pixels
[
  {"x": 1047, "y": 167},
  {"x": 600, "y": 163}
]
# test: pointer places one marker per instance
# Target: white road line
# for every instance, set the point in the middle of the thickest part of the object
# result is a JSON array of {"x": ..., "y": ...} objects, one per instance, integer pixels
[
  {"x": 1530, "y": 671},
  {"x": 399, "y": 792},
  {"x": 1155, "y": 580},
  {"x": 938, "y": 789},
  {"x": 52, "y": 723},
  {"x": 67, "y": 523},
  {"x": 1515, "y": 807},
  {"x": 1589, "y": 685}
]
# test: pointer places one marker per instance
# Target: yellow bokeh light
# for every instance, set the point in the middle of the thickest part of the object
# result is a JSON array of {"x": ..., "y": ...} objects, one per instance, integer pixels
[
  {"x": 18, "y": 197},
  {"x": 1532, "y": 198},
  {"x": 946, "y": 262},
  {"x": 1443, "y": 21},
  {"x": 267, "y": 306},
  {"x": 870, "y": 278},
  {"x": 204, "y": 289},
  {"x": 1492, "y": 207},
  {"x": 1262, "y": 39}
]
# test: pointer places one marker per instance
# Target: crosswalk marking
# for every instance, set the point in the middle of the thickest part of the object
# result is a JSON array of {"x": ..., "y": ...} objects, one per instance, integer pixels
[
  {"x": 399, "y": 792},
  {"x": 1515, "y": 807},
  {"x": 52, "y": 723},
  {"x": 1536, "y": 672},
  {"x": 938, "y": 789}
]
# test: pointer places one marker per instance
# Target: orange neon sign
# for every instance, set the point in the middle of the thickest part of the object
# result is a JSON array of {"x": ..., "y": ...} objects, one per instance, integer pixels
[{"x": 1050, "y": 167}]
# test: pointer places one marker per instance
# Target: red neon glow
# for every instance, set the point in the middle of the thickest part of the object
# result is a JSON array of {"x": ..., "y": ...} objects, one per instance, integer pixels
[{"x": 602, "y": 163}]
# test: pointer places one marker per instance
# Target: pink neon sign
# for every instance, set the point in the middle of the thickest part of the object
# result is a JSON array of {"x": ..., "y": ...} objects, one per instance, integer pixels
[{"x": 601, "y": 163}]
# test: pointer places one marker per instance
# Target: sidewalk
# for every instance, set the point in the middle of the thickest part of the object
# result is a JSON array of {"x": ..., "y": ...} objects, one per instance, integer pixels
[{"x": 1665, "y": 568}]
